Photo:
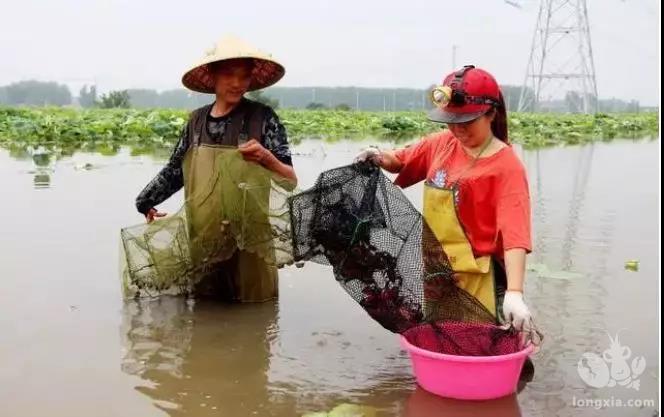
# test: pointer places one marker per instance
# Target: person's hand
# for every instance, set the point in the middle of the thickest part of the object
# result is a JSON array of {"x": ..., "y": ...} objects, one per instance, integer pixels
[
  {"x": 152, "y": 214},
  {"x": 253, "y": 151},
  {"x": 372, "y": 155},
  {"x": 516, "y": 311}
]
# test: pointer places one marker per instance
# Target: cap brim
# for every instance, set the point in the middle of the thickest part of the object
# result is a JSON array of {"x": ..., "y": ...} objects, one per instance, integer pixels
[{"x": 442, "y": 116}]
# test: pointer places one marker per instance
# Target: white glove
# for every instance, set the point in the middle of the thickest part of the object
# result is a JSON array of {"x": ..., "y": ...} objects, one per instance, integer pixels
[
  {"x": 516, "y": 312},
  {"x": 372, "y": 155}
]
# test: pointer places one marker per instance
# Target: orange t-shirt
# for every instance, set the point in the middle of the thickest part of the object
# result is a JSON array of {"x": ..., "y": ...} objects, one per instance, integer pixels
[{"x": 493, "y": 201}]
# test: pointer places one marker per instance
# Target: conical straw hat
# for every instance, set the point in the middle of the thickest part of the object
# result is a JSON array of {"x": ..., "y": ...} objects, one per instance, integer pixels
[{"x": 267, "y": 70}]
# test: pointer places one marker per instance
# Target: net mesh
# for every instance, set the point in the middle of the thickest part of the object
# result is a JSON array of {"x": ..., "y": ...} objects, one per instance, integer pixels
[
  {"x": 240, "y": 206},
  {"x": 354, "y": 219},
  {"x": 386, "y": 257}
]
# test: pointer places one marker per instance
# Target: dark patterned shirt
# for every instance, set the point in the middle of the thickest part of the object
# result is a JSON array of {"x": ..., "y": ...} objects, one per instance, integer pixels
[{"x": 170, "y": 179}]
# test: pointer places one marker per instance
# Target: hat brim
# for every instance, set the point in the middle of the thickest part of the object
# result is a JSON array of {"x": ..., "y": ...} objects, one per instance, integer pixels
[
  {"x": 266, "y": 72},
  {"x": 441, "y": 116}
]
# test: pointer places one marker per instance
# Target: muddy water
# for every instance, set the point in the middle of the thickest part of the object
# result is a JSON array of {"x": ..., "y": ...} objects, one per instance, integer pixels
[{"x": 70, "y": 347}]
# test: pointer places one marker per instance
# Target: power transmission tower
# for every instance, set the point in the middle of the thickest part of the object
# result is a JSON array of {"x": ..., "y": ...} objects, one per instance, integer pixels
[{"x": 561, "y": 66}]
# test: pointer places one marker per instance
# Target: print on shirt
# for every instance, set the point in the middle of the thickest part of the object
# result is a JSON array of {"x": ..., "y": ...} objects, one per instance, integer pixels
[{"x": 439, "y": 180}]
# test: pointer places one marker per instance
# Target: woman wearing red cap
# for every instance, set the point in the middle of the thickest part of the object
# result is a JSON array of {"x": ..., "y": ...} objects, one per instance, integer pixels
[{"x": 476, "y": 198}]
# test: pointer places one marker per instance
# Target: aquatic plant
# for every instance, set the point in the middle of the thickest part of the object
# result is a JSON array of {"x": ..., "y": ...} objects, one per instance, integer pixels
[{"x": 107, "y": 129}]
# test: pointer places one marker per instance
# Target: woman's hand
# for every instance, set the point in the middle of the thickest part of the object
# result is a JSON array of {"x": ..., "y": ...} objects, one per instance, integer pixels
[
  {"x": 372, "y": 155},
  {"x": 384, "y": 159},
  {"x": 253, "y": 151},
  {"x": 152, "y": 214}
]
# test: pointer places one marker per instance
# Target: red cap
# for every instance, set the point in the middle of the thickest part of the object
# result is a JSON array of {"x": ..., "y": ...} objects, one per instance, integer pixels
[{"x": 472, "y": 92}]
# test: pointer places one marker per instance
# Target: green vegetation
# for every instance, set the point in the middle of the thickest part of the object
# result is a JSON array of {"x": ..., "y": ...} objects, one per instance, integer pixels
[
  {"x": 106, "y": 130},
  {"x": 538, "y": 130},
  {"x": 346, "y": 410}
]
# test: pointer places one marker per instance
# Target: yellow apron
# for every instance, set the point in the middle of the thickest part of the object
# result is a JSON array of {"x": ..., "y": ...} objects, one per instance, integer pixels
[
  {"x": 474, "y": 275},
  {"x": 240, "y": 275}
]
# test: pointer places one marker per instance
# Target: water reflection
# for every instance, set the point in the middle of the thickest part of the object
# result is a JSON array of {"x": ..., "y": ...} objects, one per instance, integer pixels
[
  {"x": 539, "y": 203},
  {"x": 206, "y": 358},
  {"x": 575, "y": 222},
  {"x": 209, "y": 359},
  {"x": 202, "y": 359},
  {"x": 579, "y": 188},
  {"x": 42, "y": 180},
  {"x": 42, "y": 162},
  {"x": 423, "y": 404}
]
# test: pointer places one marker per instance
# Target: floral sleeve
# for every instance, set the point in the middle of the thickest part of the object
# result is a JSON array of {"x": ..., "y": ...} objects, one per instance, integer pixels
[
  {"x": 168, "y": 181},
  {"x": 275, "y": 138}
]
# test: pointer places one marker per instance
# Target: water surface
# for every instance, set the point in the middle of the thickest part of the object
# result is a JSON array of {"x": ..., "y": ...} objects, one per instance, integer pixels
[{"x": 71, "y": 347}]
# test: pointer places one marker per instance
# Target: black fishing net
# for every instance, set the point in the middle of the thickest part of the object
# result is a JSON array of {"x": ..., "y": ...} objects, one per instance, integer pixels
[{"x": 386, "y": 257}]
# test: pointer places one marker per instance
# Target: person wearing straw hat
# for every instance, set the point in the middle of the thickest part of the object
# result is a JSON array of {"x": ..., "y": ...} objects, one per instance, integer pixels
[{"x": 228, "y": 70}]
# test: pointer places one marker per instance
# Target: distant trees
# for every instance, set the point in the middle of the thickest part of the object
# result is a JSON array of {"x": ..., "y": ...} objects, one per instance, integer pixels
[
  {"x": 260, "y": 97},
  {"x": 370, "y": 99},
  {"x": 87, "y": 96},
  {"x": 342, "y": 107},
  {"x": 179, "y": 99},
  {"x": 142, "y": 97},
  {"x": 315, "y": 106},
  {"x": 38, "y": 93},
  {"x": 614, "y": 105},
  {"x": 115, "y": 99},
  {"x": 573, "y": 102},
  {"x": 512, "y": 96},
  {"x": 35, "y": 93},
  {"x": 172, "y": 99}
]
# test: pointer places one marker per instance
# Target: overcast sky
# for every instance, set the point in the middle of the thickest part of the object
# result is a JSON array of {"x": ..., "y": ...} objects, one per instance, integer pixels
[{"x": 374, "y": 43}]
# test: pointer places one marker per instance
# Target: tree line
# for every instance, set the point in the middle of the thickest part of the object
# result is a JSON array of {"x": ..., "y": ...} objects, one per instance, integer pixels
[{"x": 38, "y": 93}]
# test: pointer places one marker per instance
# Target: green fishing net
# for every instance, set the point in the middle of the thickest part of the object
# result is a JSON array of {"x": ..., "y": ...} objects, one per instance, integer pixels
[{"x": 230, "y": 205}]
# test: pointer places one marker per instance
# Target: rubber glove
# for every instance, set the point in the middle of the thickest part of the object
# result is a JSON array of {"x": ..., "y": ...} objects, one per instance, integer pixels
[
  {"x": 516, "y": 311},
  {"x": 372, "y": 155}
]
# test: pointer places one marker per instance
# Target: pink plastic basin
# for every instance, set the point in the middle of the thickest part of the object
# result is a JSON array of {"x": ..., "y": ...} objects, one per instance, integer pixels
[{"x": 467, "y": 377}]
